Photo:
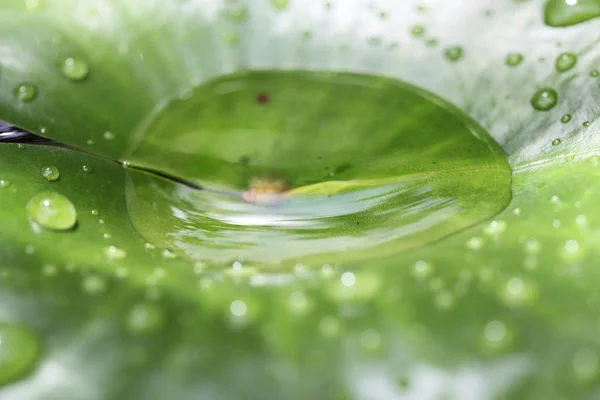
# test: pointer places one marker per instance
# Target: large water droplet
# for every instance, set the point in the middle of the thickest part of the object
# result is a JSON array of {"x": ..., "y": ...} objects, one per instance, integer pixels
[
  {"x": 26, "y": 92},
  {"x": 19, "y": 351},
  {"x": 544, "y": 99},
  {"x": 560, "y": 13},
  {"x": 52, "y": 210},
  {"x": 51, "y": 173},
  {"x": 565, "y": 62},
  {"x": 75, "y": 69}
]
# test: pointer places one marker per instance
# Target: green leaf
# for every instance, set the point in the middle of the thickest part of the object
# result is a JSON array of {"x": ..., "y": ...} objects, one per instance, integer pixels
[{"x": 507, "y": 308}]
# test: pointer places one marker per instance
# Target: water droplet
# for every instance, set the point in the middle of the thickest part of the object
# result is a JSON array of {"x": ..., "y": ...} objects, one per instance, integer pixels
[
  {"x": 107, "y": 236},
  {"x": 495, "y": 228},
  {"x": 330, "y": 327},
  {"x": 168, "y": 254},
  {"x": 115, "y": 253},
  {"x": 238, "y": 308},
  {"x": 109, "y": 135},
  {"x": 513, "y": 59},
  {"x": 93, "y": 284},
  {"x": 52, "y": 211},
  {"x": 586, "y": 123},
  {"x": 496, "y": 336},
  {"x": 417, "y": 31},
  {"x": 594, "y": 73},
  {"x": 19, "y": 351},
  {"x": 475, "y": 243},
  {"x": 454, "y": 53},
  {"x": 517, "y": 211},
  {"x": 544, "y": 99},
  {"x": 280, "y": 4},
  {"x": 51, "y": 173},
  {"x": 518, "y": 292},
  {"x": 556, "y": 142},
  {"x": 75, "y": 69},
  {"x": 86, "y": 168},
  {"x": 4, "y": 183},
  {"x": 572, "y": 246},
  {"x": 348, "y": 279},
  {"x": 559, "y": 13},
  {"x": 581, "y": 220},
  {"x": 144, "y": 319},
  {"x": 26, "y": 92},
  {"x": 565, "y": 62},
  {"x": 556, "y": 223},
  {"x": 585, "y": 364},
  {"x": 422, "y": 269},
  {"x": 565, "y": 118},
  {"x": 149, "y": 246},
  {"x": 95, "y": 212}
]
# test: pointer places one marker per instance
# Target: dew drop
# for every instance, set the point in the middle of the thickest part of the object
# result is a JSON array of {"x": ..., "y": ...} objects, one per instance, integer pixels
[
  {"x": 52, "y": 211},
  {"x": 565, "y": 62},
  {"x": 299, "y": 303},
  {"x": 565, "y": 118},
  {"x": 586, "y": 123},
  {"x": 49, "y": 270},
  {"x": 19, "y": 350},
  {"x": 95, "y": 212},
  {"x": 51, "y": 173},
  {"x": 4, "y": 183},
  {"x": 26, "y": 92},
  {"x": 417, "y": 31},
  {"x": 513, "y": 59},
  {"x": 109, "y": 135},
  {"x": 518, "y": 292},
  {"x": 556, "y": 142},
  {"x": 495, "y": 228},
  {"x": 444, "y": 300},
  {"x": 544, "y": 99},
  {"x": 454, "y": 53},
  {"x": 594, "y": 73},
  {"x": 422, "y": 269},
  {"x": 86, "y": 168},
  {"x": 115, "y": 253},
  {"x": 559, "y": 13},
  {"x": 75, "y": 69},
  {"x": 144, "y": 319},
  {"x": 475, "y": 243}
]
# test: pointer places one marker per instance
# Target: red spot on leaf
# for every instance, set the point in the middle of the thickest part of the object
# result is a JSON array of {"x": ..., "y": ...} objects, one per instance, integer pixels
[{"x": 262, "y": 98}]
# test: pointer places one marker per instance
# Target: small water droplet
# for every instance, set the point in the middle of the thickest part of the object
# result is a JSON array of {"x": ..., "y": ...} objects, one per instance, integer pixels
[
  {"x": 75, "y": 69},
  {"x": 565, "y": 62},
  {"x": 115, "y": 253},
  {"x": 4, "y": 183},
  {"x": 107, "y": 236},
  {"x": 556, "y": 142},
  {"x": 556, "y": 223},
  {"x": 586, "y": 123},
  {"x": 168, "y": 254},
  {"x": 572, "y": 246},
  {"x": 149, "y": 246},
  {"x": 594, "y": 73},
  {"x": 348, "y": 279},
  {"x": 417, "y": 31},
  {"x": 19, "y": 350},
  {"x": 95, "y": 212},
  {"x": 144, "y": 319},
  {"x": 475, "y": 243},
  {"x": 26, "y": 92},
  {"x": 565, "y": 118},
  {"x": 49, "y": 270},
  {"x": 52, "y": 211},
  {"x": 517, "y": 211},
  {"x": 544, "y": 99},
  {"x": 51, "y": 173},
  {"x": 517, "y": 292},
  {"x": 454, "y": 53},
  {"x": 532, "y": 246},
  {"x": 444, "y": 300},
  {"x": 109, "y": 135},
  {"x": 86, "y": 168},
  {"x": 422, "y": 269},
  {"x": 495, "y": 228},
  {"x": 513, "y": 59}
]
